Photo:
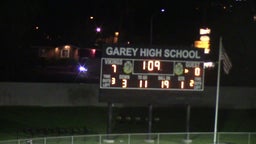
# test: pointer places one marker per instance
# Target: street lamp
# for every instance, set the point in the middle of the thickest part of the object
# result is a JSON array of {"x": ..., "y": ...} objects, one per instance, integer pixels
[
  {"x": 98, "y": 37},
  {"x": 150, "y": 107},
  {"x": 115, "y": 40},
  {"x": 151, "y": 25}
]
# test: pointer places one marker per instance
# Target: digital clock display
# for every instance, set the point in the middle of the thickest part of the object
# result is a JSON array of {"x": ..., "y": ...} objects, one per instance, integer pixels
[{"x": 152, "y": 68}]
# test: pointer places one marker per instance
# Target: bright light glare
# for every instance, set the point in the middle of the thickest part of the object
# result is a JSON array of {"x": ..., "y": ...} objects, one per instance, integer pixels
[
  {"x": 202, "y": 44},
  {"x": 204, "y": 31},
  {"x": 93, "y": 51},
  {"x": 162, "y": 10},
  {"x": 207, "y": 50},
  {"x": 116, "y": 33},
  {"x": 67, "y": 47},
  {"x": 98, "y": 29},
  {"x": 204, "y": 38},
  {"x": 82, "y": 69},
  {"x": 209, "y": 65}
]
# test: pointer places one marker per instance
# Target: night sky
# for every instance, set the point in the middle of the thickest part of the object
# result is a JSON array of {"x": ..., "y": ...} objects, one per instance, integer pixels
[{"x": 62, "y": 22}]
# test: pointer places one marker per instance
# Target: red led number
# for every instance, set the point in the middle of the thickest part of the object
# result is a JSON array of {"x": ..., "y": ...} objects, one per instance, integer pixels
[{"x": 151, "y": 65}]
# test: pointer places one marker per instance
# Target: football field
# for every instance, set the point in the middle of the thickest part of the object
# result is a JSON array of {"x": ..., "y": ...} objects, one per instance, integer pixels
[{"x": 130, "y": 124}]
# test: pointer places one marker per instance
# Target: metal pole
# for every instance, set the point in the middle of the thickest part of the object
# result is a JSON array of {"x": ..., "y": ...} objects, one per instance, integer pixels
[
  {"x": 109, "y": 126},
  {"x": 150, "y": 107},
  {"x": 158, "y": 138},
  {"x": 249, "y": 138},
  {"x": 217, "y": 93},
  {"x": 151, "y": 25},
  {"x": 151, "y": 29},
  {"x": 129, "y": 138},
  {"x": 100, "y": 139},
  {"x": 188, "y": 121}
]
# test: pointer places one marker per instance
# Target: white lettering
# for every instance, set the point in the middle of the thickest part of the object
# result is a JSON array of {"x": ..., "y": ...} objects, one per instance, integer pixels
[
  {"x": 113, "y": 61},
  {"x": 181, "y": 78},
  {"x": 124, "y": 76},
  {"x": 143, "y": 52},
  {"x": 192, "y": 64},
  {"x": 150, "y": 52},
  {"x": 179, "y": 54},
  {"x": 121, "y": 51},
  {"x": 109, "y": 50},
  {"x": 106, "y": 76},
  {"x": 164, "y": 78}
]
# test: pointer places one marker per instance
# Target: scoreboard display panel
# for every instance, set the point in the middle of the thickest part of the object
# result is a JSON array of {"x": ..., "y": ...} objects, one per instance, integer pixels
[
  {"x": 157, "y": 75},
  {"x": 153, "y": 68}
]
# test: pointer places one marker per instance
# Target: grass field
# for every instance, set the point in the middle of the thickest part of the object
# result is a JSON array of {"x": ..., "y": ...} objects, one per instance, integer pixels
[{"x": 26, "y": 122}]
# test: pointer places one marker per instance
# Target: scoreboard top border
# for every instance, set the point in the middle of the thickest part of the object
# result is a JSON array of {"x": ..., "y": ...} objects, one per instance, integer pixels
[{"x": 154, "y": 52}]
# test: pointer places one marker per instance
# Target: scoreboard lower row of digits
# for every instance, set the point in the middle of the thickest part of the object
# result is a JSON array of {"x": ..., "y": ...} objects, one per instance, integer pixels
[{"x": 150, "y": 74}]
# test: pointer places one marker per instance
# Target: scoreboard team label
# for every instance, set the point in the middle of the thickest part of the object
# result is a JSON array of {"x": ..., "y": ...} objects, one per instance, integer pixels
[{"x": 152, "y": 68}]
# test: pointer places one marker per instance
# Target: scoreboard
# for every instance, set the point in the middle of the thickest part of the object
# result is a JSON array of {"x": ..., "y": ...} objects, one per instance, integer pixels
[
  {"x": 152, "y": 68},
  {"x": 151, "y": 74}
]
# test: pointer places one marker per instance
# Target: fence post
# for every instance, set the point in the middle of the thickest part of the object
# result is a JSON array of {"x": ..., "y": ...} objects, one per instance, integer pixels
[
  {"x": 158, "y": 138},
  {"x": 218, "y": 137},
  {"x": 129, "y": 138},
  {"x": 249, "y": 138},
  {"x": 45, "y": 140},
  {"x": 72, "y": 139},
  {"x": 100, "y": 139}
]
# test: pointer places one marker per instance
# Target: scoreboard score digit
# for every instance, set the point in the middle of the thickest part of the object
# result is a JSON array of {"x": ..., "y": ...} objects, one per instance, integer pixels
[{"x": 151, "y": 74}]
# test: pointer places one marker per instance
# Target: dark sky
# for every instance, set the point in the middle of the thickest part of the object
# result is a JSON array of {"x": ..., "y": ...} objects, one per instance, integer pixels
[
  {"x": 131, "y": 18},
  {"x": 67, "y": 22}
]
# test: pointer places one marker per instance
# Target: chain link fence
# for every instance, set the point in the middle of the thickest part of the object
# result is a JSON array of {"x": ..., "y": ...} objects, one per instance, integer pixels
[{"x": 145, "y": 138}]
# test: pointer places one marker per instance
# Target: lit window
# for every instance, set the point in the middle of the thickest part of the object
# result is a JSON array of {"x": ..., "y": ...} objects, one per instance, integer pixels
[{"x": 64, "y": 53}]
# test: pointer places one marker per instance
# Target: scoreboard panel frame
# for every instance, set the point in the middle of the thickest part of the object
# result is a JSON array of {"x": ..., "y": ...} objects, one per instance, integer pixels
[{"x": 137, "y": 96}]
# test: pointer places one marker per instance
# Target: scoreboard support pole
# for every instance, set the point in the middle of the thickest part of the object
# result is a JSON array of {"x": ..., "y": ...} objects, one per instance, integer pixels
[
  {"x": 187, "y": 139},
  {"x": 150, "y": 108},
  {"x": 109, "y": 124},
  {"x": 188, "y": 121}
]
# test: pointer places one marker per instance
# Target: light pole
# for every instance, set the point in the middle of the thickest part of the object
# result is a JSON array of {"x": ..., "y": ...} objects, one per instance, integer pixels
[
  {"x": 98, "y": 40},
  {"x": 151, "y": 25},
  {"x": 150, "y": 107}
]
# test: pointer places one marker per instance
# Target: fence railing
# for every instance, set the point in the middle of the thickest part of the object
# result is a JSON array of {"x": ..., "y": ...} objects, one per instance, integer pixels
[{"x": 145, "y": 138}]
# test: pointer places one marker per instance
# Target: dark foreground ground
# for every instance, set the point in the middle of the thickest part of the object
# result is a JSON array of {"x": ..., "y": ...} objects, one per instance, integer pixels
[{"x": 24, "y": 122}]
